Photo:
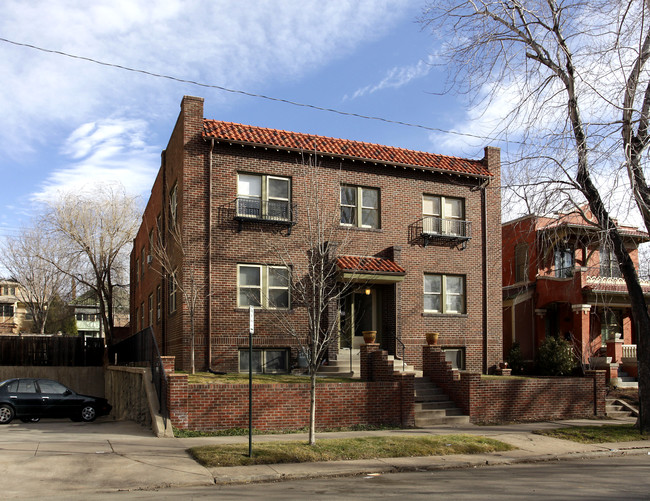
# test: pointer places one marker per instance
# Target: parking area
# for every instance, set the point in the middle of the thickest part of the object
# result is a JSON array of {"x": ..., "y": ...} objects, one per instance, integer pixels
[{"x": 55, "y": 457}]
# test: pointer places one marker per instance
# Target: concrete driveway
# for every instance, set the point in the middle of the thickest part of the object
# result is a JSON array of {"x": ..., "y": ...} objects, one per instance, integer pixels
[{"x": 61, "y": 457}]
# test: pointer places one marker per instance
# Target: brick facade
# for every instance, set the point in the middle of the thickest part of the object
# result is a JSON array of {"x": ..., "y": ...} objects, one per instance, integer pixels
[
  {"x": 204, "y": 169},
  {"x": 586, "y": 302}
]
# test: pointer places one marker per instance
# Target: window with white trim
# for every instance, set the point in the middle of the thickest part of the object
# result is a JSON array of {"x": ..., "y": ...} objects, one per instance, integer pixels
[
  {"x": 262, "y": 286},
  {"x": 172, "y": 292},
  {"x": 158, "y": 303},
  {"x": 150, "y": 309},
  {"x": 563, "y": 262},
  {"x": 263, "y": 196},
  {"x": 360, "y": 206},
  {"x": 443, "y": 215},
  {"x": 608, "y": 263},
  {"x": 444, "y": 294},
  {"x": 173, "y": 206}
]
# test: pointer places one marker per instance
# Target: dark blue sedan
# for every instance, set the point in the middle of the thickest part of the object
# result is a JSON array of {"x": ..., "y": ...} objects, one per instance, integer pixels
[{"x": 30, "y": 399}]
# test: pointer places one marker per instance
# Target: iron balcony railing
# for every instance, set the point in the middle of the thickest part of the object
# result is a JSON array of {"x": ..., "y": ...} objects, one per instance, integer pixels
[
  {"x": 441, "y": 231},
  {"x": 265, "y": 211}
]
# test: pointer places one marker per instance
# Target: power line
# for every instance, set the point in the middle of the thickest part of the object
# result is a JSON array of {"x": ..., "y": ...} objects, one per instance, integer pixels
[{"x": 251, "y": 94}]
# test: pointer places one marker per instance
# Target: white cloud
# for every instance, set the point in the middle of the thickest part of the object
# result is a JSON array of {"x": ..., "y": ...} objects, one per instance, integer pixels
[
  {"x": 397, "y": 77},
  {"x": 228, "y": 43},
  {"x": 104, "y": 152}
]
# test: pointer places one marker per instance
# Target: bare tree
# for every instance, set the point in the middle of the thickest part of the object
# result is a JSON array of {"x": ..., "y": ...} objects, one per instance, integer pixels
[
  {"x": 41, "y": 280},
  {"x": 577, "y": 77},
  {"x": 314, "y": 284},
  {"x": 95, "y": 229},
  {"x": 168, "y": 249}
]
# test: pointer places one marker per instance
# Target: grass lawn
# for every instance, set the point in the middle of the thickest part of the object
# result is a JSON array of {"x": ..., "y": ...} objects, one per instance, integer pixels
[
  {"x": 242, "y": 378},
  {"x": 344, "y": 449},
  {"x": 596, "y": 434}
]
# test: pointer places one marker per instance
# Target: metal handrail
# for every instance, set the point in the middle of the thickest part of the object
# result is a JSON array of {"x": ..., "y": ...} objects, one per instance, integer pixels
[{"x": 403, "y": 355}]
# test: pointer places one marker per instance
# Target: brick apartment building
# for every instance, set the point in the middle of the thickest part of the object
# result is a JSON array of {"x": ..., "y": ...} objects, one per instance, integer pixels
[
  {"x": 561, "y": 277},
  {"x": 424, "y": 234}
]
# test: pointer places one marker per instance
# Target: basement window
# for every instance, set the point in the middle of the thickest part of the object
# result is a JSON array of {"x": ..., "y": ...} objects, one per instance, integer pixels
[
  {"x": 265, "y": 361},
  {"x": 456, "y": 356}
]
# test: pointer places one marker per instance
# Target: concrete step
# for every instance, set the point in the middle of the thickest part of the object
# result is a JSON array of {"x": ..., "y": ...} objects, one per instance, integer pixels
[
  {"x": 427, "y": 406},
  {"x": 425, "y": 421},
  {"x": 618, "y": 408}
]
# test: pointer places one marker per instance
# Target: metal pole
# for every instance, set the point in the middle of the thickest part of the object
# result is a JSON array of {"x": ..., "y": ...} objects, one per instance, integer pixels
[{"x": 251, "y": 329}]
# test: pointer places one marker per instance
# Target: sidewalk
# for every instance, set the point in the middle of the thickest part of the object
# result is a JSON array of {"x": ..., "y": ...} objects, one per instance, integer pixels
[{"x": 58, "y": 457}]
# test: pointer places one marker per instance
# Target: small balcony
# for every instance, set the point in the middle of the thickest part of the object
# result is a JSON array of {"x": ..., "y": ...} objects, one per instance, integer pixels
[
  {"x": 440, "y": 231},
  {"x": 255, "y": 210}
]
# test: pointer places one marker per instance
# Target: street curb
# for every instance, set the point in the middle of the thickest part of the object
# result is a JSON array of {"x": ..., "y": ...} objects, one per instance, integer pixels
[{"x": 225, "y": 476}]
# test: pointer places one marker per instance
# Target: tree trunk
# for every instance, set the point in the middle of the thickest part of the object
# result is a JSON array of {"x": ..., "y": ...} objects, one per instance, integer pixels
[{"x": 312, "y": 405}]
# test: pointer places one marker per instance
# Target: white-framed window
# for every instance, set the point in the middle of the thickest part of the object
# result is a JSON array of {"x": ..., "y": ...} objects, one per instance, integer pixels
[
  {"x": 6, "y": 310},
  {"x": 563, "y": 262},
  {"x": 360, "y": 206},
  {"x": 456, "y": 356},
  {"x": 611, "y": 324},
  {"x": 150, "y": 309},
  {"x": 142, "y": 315},
  {"x": 263, "y": 286},
  {"x": 172, "y": 293},
  {"x": 265, "y": 361},
  {"x": 608, "y": 263},
  {"x": 444, "y": 293},
  {"x": 443, "y": 215},
  {"x": 173, "y": 206},
  {"x": 158, "y": 303},
  {"x": 263, "y": 196}
]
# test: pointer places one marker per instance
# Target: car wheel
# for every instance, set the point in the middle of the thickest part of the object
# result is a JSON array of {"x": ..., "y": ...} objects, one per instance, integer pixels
[
  {"x": 30, "y": 419},
  {"x": 88, "y": 413},
  {"x": 6, "y": 414}
]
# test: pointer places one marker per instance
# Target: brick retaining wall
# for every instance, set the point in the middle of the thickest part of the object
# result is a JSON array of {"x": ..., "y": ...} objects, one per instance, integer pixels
[
  {"x": 517, "y": 399},
  {"x": 387, "y": 400}
]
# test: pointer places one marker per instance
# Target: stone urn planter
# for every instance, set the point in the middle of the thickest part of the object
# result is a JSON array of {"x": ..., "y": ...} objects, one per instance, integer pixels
[
  {"x": 432, "y": 337},
  {"x": 369, "y": 336}
]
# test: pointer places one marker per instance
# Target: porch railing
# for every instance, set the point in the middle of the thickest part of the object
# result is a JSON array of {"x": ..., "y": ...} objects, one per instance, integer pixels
[{"x": 629, "y": 351}]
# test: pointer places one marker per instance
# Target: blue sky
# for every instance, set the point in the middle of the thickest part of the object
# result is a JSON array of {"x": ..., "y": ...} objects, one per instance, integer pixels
[{"x": 68, "y": 123}]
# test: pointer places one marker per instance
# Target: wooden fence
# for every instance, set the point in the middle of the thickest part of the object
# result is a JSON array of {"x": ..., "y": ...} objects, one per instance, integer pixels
[{"x": 51, "y": 351}]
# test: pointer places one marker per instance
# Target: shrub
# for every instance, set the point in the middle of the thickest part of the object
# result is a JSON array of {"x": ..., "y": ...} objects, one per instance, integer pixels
[
  {"x": 555, "y": 357},
  {"x": 515, "y": 359}
]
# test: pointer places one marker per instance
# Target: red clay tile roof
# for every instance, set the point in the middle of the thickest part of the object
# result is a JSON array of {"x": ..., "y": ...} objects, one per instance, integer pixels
[
  {"x": 368, "y": 264},
  {"x": 260, "y": 136}
]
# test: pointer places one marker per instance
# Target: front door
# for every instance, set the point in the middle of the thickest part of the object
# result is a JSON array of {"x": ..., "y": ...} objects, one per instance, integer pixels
[{"x": 358, "y": 313}]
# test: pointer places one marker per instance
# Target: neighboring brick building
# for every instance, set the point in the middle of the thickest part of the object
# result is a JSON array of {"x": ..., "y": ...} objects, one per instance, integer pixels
[
  {"x": 560, "y": 277},
  {"x": 425, "y": 243}
]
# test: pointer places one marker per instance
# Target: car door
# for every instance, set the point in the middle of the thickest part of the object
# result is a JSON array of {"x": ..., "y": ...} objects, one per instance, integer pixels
[
  {"x": 58, "y": 400},
  {"x": 26, "y": 398}
]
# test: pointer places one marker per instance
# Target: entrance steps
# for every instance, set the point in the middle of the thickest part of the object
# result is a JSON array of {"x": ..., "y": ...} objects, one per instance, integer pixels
[
  {"x": 344, "y": 367},
  {"x": 617, "y": 408},
  {"x": 433, "y": 407},
  {"x": 624, "y": 380}
]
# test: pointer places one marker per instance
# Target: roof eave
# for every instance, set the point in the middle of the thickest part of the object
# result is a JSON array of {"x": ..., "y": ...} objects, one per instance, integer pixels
[{"x": 347, "y": 157}]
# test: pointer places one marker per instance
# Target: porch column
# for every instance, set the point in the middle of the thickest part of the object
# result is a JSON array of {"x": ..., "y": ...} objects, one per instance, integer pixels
[{"x": 581, "y": 330}]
